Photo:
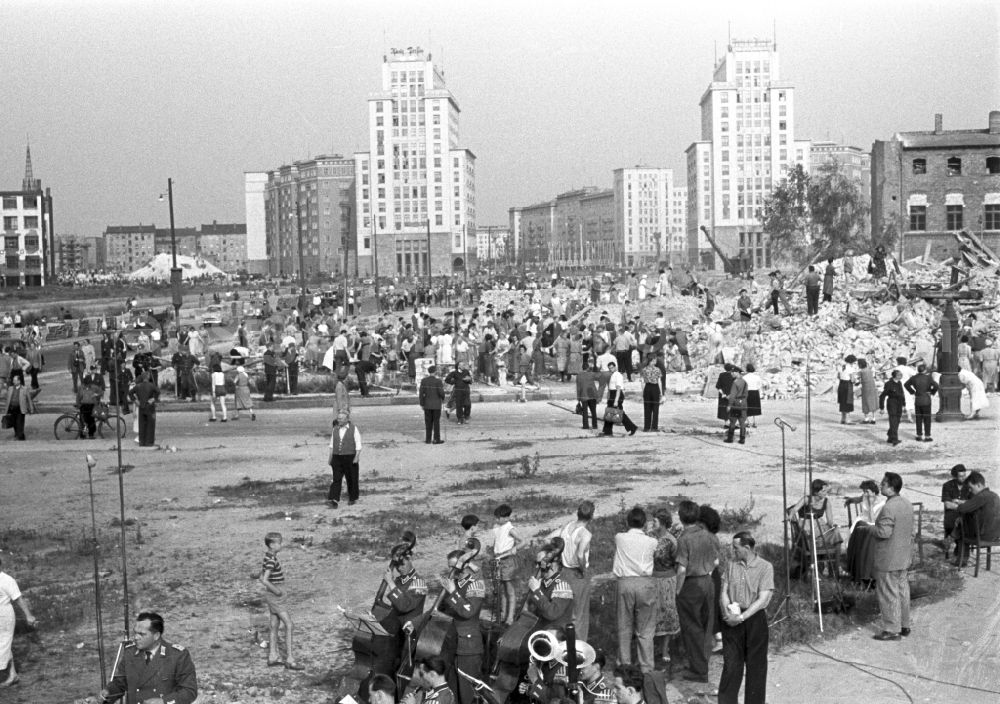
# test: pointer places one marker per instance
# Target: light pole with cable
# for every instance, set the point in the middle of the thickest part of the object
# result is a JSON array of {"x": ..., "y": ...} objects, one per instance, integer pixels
[{"x": 176, "y": 275}]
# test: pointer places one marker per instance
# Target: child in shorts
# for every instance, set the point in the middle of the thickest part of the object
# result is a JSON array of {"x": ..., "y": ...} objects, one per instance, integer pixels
[
  {"x": 505, "y": 543},
  {"x": 273, "y": 579}
]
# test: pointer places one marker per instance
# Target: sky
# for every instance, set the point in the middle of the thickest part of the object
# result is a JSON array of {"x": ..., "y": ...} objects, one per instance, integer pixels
[{"x": 116, "y": 97}]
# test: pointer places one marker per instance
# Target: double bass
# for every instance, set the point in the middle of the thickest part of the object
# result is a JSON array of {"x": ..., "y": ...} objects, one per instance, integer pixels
[
  {"x": 435, "y": 635},
  {"x": 512, "y": 648},
  {"x": 363, "y": 642}
]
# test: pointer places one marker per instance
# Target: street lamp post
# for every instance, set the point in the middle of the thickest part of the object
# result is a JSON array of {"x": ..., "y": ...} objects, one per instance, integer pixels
[{"x": 176, "y": 275}]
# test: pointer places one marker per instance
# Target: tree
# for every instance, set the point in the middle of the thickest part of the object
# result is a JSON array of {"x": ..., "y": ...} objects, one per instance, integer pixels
[{"x": 817, "y": 216}]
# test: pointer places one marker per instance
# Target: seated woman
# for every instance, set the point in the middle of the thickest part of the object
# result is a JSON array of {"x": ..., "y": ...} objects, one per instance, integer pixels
[
  {"x": 828, "y": 538},
  {"x": 861, "y": 544}
]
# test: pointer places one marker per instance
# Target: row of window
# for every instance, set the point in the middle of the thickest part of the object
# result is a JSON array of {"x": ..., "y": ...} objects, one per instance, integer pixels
[
  {"x": 954, "y": 166},
  {"x": 29, "y": 202},
  {"x": 954, "y": 217}
]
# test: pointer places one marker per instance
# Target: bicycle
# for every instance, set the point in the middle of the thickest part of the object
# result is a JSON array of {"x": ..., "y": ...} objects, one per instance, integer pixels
[{"x": 70, "y": 425}]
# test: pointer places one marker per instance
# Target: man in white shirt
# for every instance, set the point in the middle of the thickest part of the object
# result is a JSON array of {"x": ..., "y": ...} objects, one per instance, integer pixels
[
  {"x": 637, "y": 599},
  {"x": 604, "y": 362},
  {"x": 345, "y": 454},
  {"x": 907, "y": 371},
  {"x": 576, "y": 564}
]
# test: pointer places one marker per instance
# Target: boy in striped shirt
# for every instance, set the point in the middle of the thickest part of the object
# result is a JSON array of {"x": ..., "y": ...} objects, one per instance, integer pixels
[{"x": 273, "y": 580}]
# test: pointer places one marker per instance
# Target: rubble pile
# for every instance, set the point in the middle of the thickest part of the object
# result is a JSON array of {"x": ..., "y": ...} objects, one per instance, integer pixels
[{"x": 864, "y": 319}]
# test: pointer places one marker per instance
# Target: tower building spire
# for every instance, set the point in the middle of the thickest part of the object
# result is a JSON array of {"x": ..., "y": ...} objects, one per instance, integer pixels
[{"x": 30, "y": 183}]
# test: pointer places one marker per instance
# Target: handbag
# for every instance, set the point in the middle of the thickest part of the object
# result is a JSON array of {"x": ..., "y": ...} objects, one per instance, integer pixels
[
  {"x": 7, "y": 421},
  {"x": 613, "y": 414},
  {"x": 579, "y": 409}
]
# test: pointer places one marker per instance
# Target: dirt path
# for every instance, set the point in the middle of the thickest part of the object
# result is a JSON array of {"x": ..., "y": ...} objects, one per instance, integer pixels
[{"x": 192, "y": 551}]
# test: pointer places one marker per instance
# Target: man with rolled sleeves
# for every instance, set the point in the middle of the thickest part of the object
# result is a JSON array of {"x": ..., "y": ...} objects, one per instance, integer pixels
[
  {"x": 697, "y": 551},
  {"x": 463, "y": 603},
  {"x": 747, "y": 586},
  {"x": 151, "y": 669}
]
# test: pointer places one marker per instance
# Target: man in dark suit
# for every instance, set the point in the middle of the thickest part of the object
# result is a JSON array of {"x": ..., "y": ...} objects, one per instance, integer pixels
[
  {"x": 922, "y": 386},
  {"x": 431, "y": 398},
  {"x": 893, "y": 555},
  {"x": 145, "y": 394},
  {"x": 892, "y": 396}
]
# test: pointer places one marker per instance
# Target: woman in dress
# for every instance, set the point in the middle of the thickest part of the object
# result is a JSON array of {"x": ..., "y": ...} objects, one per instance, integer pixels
[
  {"x": 242, "y": 398},
  {"x": 665, "y": 575},
  {"x": 562, "y": 355},
  {"x": 964, "y": 353},
  {"x": 10, "y": 596},
  {"x": 575, "y": 364},
  {"x": 754, "y": 385},
  {"x": 977, "y": 392},
  {"x": 815, "y": 506},
  {"x": 861, "y": 543},
  {"x": 724, "y": 384},
  {"x": 869, "y": 392},
  {"x": 845, "y": 388}
]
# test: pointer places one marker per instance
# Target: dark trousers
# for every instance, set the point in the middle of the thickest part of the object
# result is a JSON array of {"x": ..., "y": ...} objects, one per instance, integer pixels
[
  {"x": 269, "y": 378},
  {"x": 343, "y": 467},
  {"x": 463, "y": 404},
  {"x": 147, "y": 427},
  {"x": 827, "y": 298},
  {"x": 812, "y": 300},
  {"x": 894, "y": 418},
  {"x": 650, "y": 407},
  {"x": 76, "y": 380},
  {"x": 33, "y": 373},
  {"x": 432, "y": 424},
  {"x": 589, "y": 407},
  {"x": 694, "y": 607},
  {"x": 17, "y": 424},
  {"x": 774, "y": 300},
  {"x": 609, "y": 428},
  {"x": 923, "y": 416},
  {"x": 362, "y": 381},
  {"x": 624, "y": 358},
  {"x": 87, "y": 419},
  {"x": 470, "y": 665},
  {"x": 293, "y": 378},
  {"x": 744, "y": 647}
]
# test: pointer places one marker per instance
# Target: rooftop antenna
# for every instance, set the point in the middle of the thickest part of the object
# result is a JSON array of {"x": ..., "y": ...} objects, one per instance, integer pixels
[
  {"x": 774, "y": 32},
  {"x": 729, "y": 33}
]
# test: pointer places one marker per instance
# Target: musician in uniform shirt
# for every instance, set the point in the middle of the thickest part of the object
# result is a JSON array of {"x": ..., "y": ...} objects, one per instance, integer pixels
[
  {"x": 463, "y": 603},
  {"x": 550, "y": 597},
  {"x": 403, "y": 599},
  {"x": 596, "y": 688},
  {"x": 151, "y": 670},
  {"x": 432, "y": 685}
]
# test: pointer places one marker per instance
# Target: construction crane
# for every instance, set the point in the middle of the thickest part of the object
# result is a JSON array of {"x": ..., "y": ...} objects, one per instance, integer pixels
[{"x": 733, "y": 267}]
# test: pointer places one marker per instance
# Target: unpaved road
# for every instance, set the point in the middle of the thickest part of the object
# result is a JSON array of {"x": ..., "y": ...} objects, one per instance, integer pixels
[{"x": 197, "y": 549}]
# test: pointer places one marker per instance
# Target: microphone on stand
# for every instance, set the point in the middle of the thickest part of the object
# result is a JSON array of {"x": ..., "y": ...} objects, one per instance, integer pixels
[{"x": 782, "y": 422}]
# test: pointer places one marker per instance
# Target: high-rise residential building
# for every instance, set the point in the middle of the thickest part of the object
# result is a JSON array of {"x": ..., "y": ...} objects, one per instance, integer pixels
[
  {"x": 415, "y": 209},
  {"x": 929, "y": 184},
  {"x": 255, "y": 201},
  {"x": 310, "y": 202},
  {"x": 855, "y": 163},
  {"x": 26, "y": 249},
  {"x": 677, "y": 243},
  {"x": 576, "y": 228},
  {"x": 747, "y": 146},
  {"x": 493, "y": 245},
  {"x": 642, "y": 213},
  {"x": 224, "y": 245}
]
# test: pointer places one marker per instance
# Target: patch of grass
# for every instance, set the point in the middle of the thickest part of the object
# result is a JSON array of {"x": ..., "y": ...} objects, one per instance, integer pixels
[
  {"x": 740, "y": 517},
  {"x": 377, "y": 533},
  {"x": 300, "y": 490},
  {"x": 280, "y": 516},
  {"x": 511, "y": 444}
]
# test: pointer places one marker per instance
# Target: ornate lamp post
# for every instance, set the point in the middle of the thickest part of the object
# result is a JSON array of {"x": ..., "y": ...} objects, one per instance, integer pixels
[{"x": 950, "y": 407}]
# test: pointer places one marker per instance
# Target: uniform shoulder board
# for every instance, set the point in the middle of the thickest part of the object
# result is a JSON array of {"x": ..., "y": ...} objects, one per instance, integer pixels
[
  {"x": 476, "y": 590},
  {"x": 562, "y": 590},
  {"x": 418, "y": 586},
  {"x": 177, "y": 647}
]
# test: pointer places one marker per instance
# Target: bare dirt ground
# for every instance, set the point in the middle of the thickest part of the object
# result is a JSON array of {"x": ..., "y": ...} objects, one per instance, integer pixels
[{"x": 194, "y": 530}]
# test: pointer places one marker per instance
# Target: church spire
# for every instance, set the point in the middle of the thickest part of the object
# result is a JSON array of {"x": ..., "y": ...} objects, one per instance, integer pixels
[{"x": 30, "y": 183}]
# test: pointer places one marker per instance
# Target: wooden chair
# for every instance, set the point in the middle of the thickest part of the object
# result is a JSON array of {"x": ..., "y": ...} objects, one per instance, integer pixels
[
  {"x": 979, "y": 544},
  {"x": 918, "y": 538},
  {"x": 827, "y": 553}
]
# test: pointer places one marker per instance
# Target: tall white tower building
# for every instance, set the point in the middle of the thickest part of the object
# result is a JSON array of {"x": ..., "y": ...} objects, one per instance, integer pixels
[
  {"x": 416, "y": 194},
  {"x": 747, "y": 146},
  {"x": 642, "y": 213}
]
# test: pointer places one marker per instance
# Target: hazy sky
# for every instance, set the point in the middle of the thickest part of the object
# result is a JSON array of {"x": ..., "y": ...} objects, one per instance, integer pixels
[{"x": 117, "y": 96}]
